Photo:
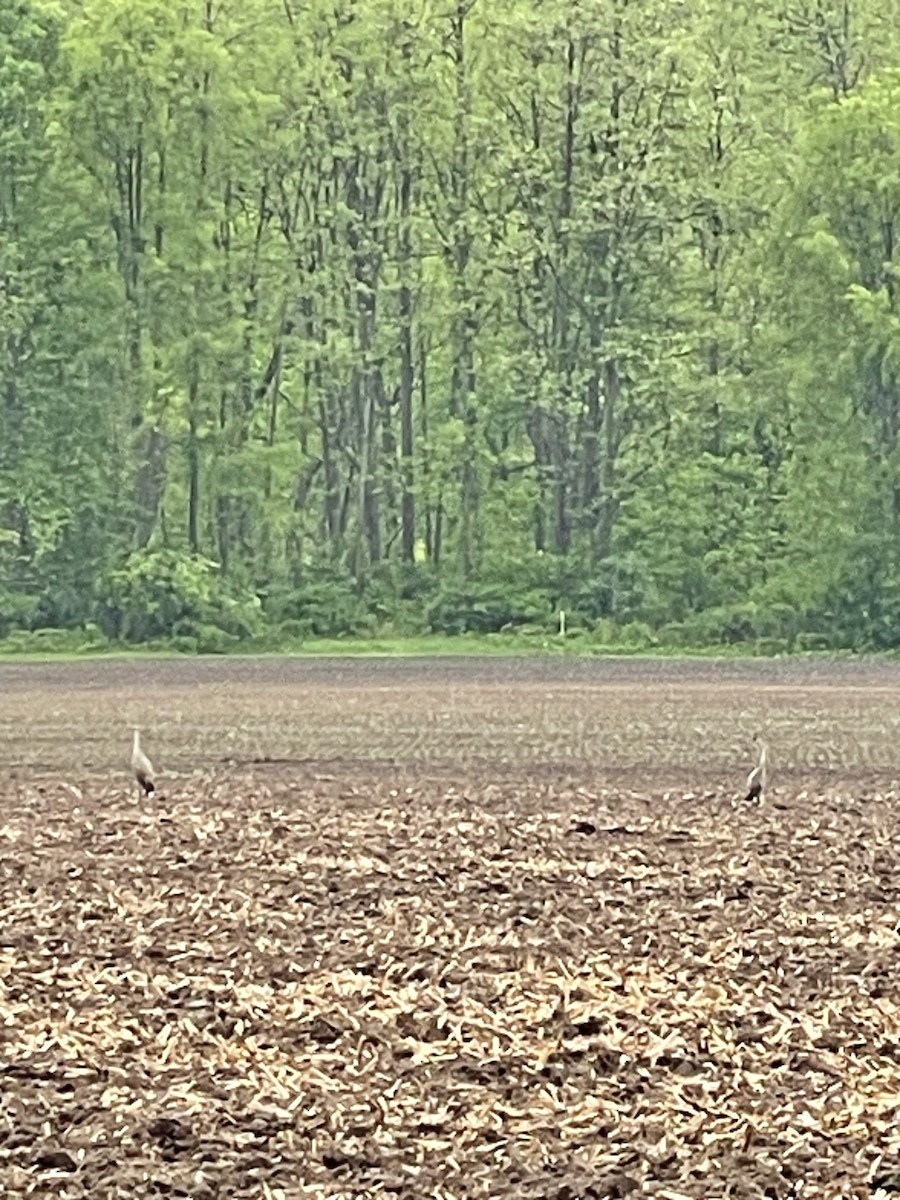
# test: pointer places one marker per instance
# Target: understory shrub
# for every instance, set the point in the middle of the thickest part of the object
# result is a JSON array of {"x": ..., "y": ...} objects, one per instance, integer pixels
[
  {"x": 326, "y": 604},
  {"x": 54, "y": 641},
  {"x": 165, "y": 593},
  {"x": 485, "y": 608},
  {"x": 17, "y": 610}
]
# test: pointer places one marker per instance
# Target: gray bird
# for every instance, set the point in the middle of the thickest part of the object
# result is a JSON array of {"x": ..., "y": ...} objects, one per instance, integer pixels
[
  {"x": 142, "y": 766},
  {"x": 756, "y": 780}
]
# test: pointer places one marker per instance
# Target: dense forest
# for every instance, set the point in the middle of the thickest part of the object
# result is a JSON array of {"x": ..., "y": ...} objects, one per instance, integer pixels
[{"x": 371, "y": 315}]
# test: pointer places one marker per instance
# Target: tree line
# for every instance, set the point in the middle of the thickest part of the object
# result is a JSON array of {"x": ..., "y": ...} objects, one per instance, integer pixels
[{"x": 355, "y": 315}]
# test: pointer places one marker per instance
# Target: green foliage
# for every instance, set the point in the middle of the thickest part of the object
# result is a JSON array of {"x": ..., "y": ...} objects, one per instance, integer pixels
[
  {"x": 48, "y": 641},
  {"x": 17, "y": 611},
  {"x": 488, "y": 608},
  {"x": 319, "y": 324},
  {"x": 160, "y": 593},
  {"x": 326, "y": 604},
  {"x": 211, "y": 639}
]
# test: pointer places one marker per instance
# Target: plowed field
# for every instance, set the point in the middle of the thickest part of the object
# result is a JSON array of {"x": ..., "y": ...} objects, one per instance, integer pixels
[{"x": 449, "y": 928}]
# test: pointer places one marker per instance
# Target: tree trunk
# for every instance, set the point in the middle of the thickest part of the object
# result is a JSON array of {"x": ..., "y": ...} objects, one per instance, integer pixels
[
  {"x": 464, "y": 323},
  {"x": 193, "y": 457},
  {"x": 407, "y": 381},
  {"x": 332, "y": 474},
  {"x": 608, "y": 499}
]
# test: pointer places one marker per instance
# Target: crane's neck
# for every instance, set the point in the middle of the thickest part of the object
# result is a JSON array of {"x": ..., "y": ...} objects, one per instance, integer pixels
[{"x": 136, "y": 745}]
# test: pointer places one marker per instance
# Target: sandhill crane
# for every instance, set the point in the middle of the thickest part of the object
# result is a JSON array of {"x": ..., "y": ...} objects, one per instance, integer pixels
[
  {"x": 756, "y": 780},
  {"x": 142, "y": 766}
]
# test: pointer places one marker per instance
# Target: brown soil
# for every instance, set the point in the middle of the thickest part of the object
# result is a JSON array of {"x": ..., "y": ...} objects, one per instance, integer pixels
[{"x": 452, "y": 928}]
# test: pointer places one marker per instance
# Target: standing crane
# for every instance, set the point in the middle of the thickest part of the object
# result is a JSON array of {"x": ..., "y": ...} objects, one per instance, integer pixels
[
  {"x": 756, "y": 780},
  {"x": 142, "y": 766}
]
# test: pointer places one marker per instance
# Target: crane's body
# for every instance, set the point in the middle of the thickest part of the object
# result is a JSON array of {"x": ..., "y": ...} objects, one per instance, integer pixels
[
  {"x": 142, "y": 766},
  {"x": 756, "y": 780}
]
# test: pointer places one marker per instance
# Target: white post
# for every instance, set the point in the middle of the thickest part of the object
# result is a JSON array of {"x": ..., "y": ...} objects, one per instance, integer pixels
[{"x": 562, "y": 623}]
